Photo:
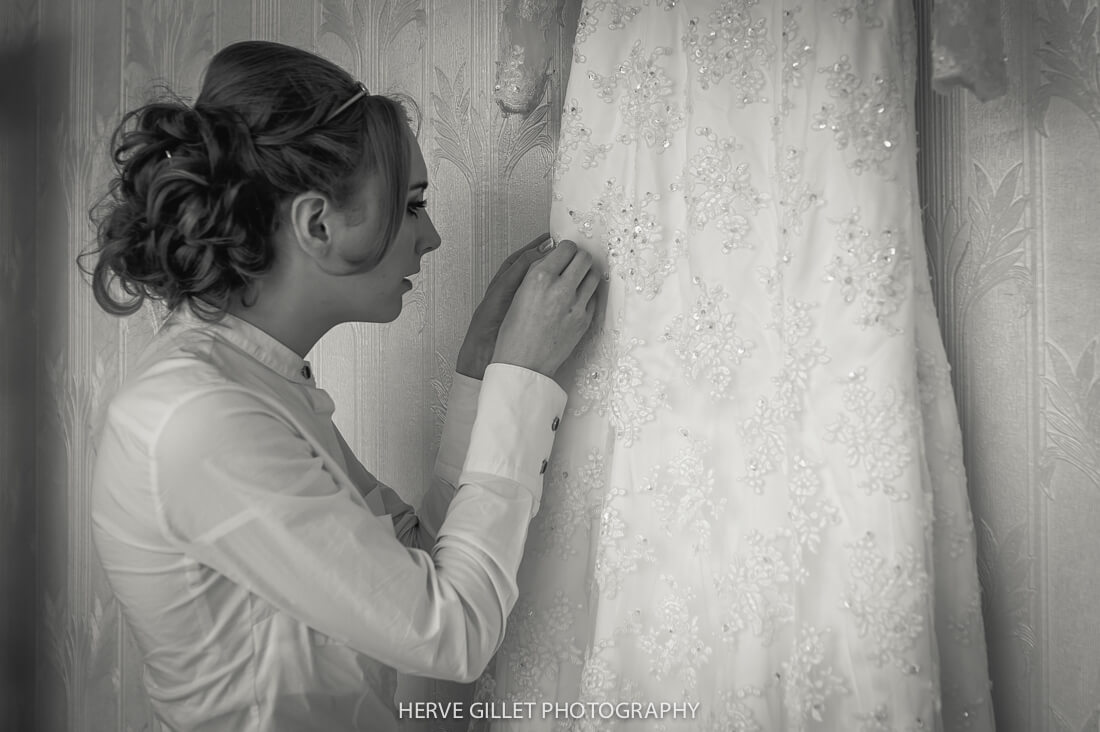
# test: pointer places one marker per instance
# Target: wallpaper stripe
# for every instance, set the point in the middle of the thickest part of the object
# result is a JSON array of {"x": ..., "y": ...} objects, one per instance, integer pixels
[
  {"x": 265, "y": 19},
  {"x": 1037, "y": 700}
]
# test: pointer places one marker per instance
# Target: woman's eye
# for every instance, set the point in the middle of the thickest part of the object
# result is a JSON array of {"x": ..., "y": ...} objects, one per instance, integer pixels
[{"x": 417, "y": 206}]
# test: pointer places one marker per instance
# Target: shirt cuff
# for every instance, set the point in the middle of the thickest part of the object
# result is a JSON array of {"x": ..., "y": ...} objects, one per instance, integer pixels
[
  {"x": 517, "y": 419},
  {"x": 454, "y": 442}
]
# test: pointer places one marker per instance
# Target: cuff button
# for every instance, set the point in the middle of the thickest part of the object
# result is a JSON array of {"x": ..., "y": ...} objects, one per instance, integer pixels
[
  {"x": 554, "y": 426},
  {"x": 542, "y": 470}
]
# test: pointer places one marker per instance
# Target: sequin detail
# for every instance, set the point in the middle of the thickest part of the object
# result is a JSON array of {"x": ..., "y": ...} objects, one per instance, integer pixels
[
  {"x": 533, "y": 648},
  {"x": 638, "y": 249},
  {"x": 683, "y": 494},
  {"x": 865, "y": 10},
  {"x": 887, "y": 596},
  {"x": 877, "y": 431},
  {"x": 808, "y": 682},
  {"x": 868, "y": 118},
  {"x": 576, "y": 138},
  {"x": 619, "y": 552},
  {"x": 731, "y": 45},
  {"x": 706, "y": 342},
  {"x": 643, "y": 90},
  {"x": 612, "y": 383},
  {"x": 872, "y": 272},
  {"x": 719, "y": 191},
  {"x": 673, "y": 640},
  {"x": 754, "y": 593},
  {"x": 570, "y": 503}
]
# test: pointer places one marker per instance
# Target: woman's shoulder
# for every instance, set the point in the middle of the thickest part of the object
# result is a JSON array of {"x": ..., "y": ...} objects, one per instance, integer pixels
[{"x": 178, "y": 367}]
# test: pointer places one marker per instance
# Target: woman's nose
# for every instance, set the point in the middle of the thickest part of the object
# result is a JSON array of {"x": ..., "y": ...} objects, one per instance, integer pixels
[{"x": 430, "y": 241}]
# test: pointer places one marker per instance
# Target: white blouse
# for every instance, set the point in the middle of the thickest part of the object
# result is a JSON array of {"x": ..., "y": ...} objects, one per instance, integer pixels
[{"x": 272, "y": 583}]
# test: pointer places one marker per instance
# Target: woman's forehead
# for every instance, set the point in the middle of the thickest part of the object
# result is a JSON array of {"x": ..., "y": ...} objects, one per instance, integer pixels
[{"x": 418, "y": 168}]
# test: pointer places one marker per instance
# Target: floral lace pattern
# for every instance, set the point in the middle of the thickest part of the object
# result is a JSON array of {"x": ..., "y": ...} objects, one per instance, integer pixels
[
  {"x": 613, "y": 383},
  {"x": 731, "y": 46},
  {"x": 643, "y": 90},
  {"x": 871, "y": 271},
  {"x": 877, "y": 432},
  {"x": 887, "y": 599},
  {"x": 682, "y": 493},
  {"x": 719, "y": 191},
  {"x": 638, "y": 250},
  {"x": 570, "y": 504},
  {"x": 576, "y": 138},
  {"x": 706, "y": 341},
  {"x": 867, "y": 117}
]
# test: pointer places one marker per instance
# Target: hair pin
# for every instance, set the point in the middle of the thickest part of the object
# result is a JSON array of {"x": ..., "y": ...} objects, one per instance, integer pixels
[{"x": 358, "y": 95}]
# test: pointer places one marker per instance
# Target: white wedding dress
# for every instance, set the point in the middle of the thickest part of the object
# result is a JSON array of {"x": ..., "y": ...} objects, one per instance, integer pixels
[{"x": 756, "y": 502}]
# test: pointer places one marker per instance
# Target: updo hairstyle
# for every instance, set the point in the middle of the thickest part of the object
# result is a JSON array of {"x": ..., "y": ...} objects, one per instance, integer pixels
[{"x": 192, "y": 209}]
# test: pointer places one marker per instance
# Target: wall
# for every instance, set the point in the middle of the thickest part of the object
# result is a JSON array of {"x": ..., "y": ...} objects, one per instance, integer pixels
[
  {"x": 18, "y": 39},
  {"x": 1013, "y": 221},
  {"x": 1013, "y": 228}
]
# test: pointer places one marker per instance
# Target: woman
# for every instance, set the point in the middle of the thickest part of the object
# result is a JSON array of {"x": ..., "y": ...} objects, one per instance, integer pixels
[{"x": 272, "y": 583}]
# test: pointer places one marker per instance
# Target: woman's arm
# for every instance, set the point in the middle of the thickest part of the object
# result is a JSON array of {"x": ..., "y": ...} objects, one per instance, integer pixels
[
  {"x": 419, "y": 531},
  {"x": 240, "y": 490}
]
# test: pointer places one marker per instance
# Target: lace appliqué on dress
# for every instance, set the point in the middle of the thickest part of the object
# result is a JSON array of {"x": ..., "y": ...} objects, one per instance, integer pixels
[
  {"x": 570, "y": 503},
  {"x": 865, "y": 10},
  {"x": 877, "y": 432},
  {"x": 753, "y": 594},
  {"x": 637, "y": 250},
  {"x": 683, "y": 494},
  {"x": 576, "y": 137},
  {"x": 797, "y": 53},
  {"x": 534, "y": 646},
  {"x": 871, "y": 272},
  {"x": 807, "y": 681},
  {"x": 673, "y": 641},
  {"x": 869, "y": 118},
  {"x": 618, "y": 552},
  {"x": 612, "y": 383},
  {"x": 706, "y": 341},
  {"x": 713, "y": 186},
  {"x": 643, "y": 90},
  {"x": 731, "y": 44},
  {"x": 887, "y": 597}
]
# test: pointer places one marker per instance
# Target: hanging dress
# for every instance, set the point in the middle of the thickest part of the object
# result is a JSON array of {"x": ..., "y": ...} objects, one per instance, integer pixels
[{"x": 755, "y": 515}]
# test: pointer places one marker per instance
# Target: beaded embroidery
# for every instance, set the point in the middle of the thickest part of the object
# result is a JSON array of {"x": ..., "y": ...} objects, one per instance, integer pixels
[
  {"x": 706, "y": 341},
  {"x": 869, "y": 118},
  {"x": 643, "y": 89},
  {"x": 731, "y": 44}
]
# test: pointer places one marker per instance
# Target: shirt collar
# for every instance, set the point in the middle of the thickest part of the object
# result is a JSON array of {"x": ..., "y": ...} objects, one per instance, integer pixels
[{"x": 252, "y": 340}]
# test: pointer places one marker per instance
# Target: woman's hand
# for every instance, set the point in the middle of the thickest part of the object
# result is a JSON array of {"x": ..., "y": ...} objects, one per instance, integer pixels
[
  {"x": 552, "y": 309},
  {"x": 481, "y": 337}
]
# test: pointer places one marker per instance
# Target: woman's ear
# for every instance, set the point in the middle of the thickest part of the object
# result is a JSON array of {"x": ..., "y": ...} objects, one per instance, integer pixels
[
  {"x": 317, "y": 226},
  {"x": 309, "y": 212}
]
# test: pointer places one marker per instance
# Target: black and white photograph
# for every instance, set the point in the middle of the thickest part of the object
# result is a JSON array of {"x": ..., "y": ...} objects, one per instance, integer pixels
[{"x": 550, "y": 365}]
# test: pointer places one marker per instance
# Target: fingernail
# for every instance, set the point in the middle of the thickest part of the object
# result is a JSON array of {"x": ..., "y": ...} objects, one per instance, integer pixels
[
  {"x": 547, "y": 245},
  {"x": 606, "y": 276}
]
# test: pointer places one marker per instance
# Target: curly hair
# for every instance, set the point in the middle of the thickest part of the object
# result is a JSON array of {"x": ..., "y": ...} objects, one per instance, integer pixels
[{"x": 190, "y": 214}]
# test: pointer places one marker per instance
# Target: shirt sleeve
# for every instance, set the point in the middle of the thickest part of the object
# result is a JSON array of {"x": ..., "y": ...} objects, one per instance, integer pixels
[
  {"x": 411, "y": 529},
  {"x": 238, "y": 488}
]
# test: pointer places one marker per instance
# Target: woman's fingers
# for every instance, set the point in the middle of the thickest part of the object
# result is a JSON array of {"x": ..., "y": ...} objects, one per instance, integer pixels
[
  {"x": 559, "y": 257},
  {"x": 578, "y": 268},
  {"x": 588, "y": 286},
  {"x": 524, "y": 256}
]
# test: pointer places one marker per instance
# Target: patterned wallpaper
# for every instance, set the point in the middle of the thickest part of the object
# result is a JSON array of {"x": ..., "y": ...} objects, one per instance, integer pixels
[{"x": 1012, "y": 214}]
